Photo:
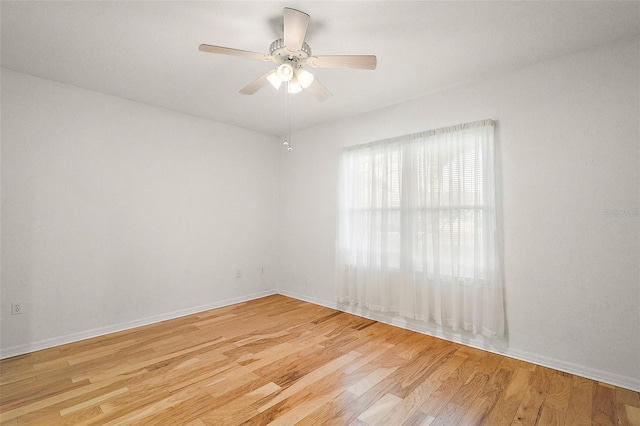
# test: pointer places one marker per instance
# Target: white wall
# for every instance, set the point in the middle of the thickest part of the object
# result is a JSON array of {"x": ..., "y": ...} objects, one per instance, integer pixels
[
  {"x": 116, "y": 213},
  {"x": 569, "y": 145}
]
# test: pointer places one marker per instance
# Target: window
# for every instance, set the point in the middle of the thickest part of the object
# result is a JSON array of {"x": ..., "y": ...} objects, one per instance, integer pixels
[{"x": 417, "y": 228}]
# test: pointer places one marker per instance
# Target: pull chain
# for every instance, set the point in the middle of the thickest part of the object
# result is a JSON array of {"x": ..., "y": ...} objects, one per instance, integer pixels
[{"x": 287, "y": 138}]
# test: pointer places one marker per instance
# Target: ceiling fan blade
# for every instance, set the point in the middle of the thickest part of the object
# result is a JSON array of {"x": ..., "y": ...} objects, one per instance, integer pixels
[
  {"x": 365, "y": 62},
  {"x": 295, "y": 28},
  {"x": 234, "y": 52},
  {"x": 258, "y": 84},
  {"x": 318, "y": 91}
]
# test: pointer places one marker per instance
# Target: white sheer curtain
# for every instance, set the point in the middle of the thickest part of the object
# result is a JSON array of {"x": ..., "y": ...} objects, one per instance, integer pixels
[{"x": 417, "y": 228}]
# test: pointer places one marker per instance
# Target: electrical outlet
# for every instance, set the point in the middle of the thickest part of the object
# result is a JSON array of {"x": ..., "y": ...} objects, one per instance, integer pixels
[
  {"x": 238, "y": 273},
  {"x": 17, "y": 308}
]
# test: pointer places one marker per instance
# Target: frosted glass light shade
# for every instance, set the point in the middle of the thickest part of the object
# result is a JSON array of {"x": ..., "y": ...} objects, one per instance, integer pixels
[
  {"x": 285, "y": 72},
  {"x": 274, "y": 80},
  {"x": 305, "y": 78},
  {"x": 294, "y": 86}
]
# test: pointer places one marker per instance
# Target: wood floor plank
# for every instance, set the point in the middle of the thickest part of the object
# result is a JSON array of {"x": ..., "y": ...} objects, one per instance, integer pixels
[
  {"x": 280, "y": 361},
  {"x": 377, "y": 411},
  {"x": 507, "y": 405},
  {"x": 625, "y": 396},
  {"x": 604, "y": 407},
  {"x": 551, "y": 417},
  {"x": 93, "y": 401},
  {"x": 239, "y": 409},
  {"x": 316, "y": 399},
  {"x": 448, "y": 388},
  {"x": 310, "y": 378},
  {"x": 529, "y": 411},
  {"x": 408, "y": 410},
  {"x": 463, "y": 400},
  {"x": 477, "y": 412},
  {"x": 21, "y": 393},
  {"x": 373, "y": 378},
  {"x": 415, "y": 372},
  {"x": 419, "y": 419},
  {"x": 57, "y": 398},
  {"x": 559, "y": 391},
  {"x": 579, "y": 407},
  {"x": 629, "y": 415},
  {"x": 334, "y": 411},
  {"x": 280, "y": 409},
  {"x": 371, "y": 353},
  {"x": 497, "y": 384}
]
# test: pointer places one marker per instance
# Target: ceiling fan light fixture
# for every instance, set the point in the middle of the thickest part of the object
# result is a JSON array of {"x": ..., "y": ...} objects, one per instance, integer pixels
[
  {"x": 294, "y": 86},
  {"x": 274, "y": 80},
  {"x": 285, "y": 72},
  {"x": 305, "y": 78}
]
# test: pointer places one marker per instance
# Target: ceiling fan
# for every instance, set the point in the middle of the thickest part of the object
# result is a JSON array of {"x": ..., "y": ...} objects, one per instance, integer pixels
[{"x": 291, "y": 54}]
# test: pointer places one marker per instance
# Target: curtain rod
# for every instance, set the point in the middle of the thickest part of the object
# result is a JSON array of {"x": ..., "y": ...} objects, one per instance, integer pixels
[{"x": 424, "y": 134}]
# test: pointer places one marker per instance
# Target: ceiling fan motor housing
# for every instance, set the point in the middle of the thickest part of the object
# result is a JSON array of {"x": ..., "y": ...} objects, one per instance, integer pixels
[{"x": 282, "y": 55}]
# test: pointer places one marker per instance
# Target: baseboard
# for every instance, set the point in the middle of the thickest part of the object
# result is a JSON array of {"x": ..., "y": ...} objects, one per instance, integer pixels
[
  {"x": 483, "y": 344},
  {"x": 577, "y": 369},
  {"x": 75, "y": 337}
]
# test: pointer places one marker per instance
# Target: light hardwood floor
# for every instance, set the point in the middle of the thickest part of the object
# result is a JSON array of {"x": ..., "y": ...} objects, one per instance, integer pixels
[{"x": 278, "y": 360}]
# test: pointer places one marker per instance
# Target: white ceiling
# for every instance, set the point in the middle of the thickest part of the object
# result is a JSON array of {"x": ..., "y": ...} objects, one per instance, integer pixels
[{"x": 148, "y": 51}]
